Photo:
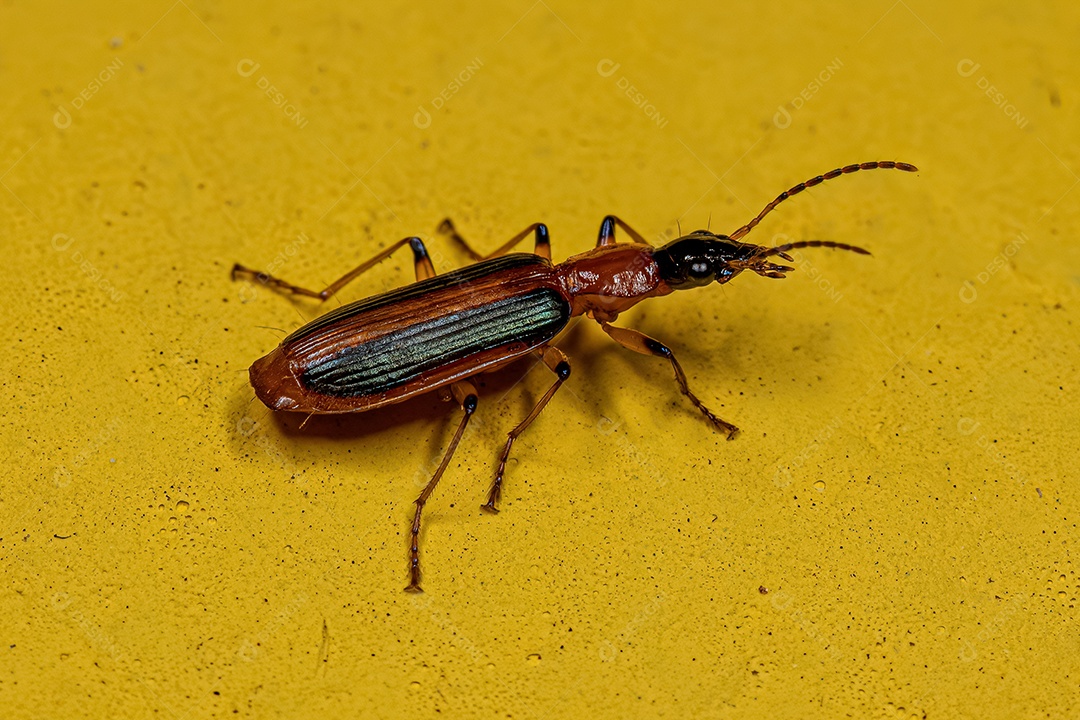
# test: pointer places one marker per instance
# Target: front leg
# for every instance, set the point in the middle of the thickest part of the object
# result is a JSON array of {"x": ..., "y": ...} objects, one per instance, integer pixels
[{"x": 642, "y": 343}]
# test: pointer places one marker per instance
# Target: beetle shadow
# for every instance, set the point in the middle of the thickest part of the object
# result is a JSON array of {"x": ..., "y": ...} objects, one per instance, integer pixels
[
  {"x": 506, "y": 395},
  {"x": 721, "y": 352}
]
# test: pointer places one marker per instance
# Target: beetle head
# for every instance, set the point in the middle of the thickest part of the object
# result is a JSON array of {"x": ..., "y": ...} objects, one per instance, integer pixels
[{"x": 703, "y": 257}]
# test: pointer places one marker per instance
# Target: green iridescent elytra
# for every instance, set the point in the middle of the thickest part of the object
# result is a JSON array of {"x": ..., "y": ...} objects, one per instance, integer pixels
[{"x": 396, "y": 358}]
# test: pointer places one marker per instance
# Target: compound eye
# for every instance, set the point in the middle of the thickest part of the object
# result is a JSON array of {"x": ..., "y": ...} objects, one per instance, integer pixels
[{"x": 700, "y": 270}]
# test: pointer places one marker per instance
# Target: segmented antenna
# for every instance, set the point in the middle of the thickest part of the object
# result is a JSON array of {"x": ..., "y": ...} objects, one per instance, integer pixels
[
  {"x": 781, "y": 250},
  {"x": 883, "y": 164},
  {"x": 756, "y": 263}
]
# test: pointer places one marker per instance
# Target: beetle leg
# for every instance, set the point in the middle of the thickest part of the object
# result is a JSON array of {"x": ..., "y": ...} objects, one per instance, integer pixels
[
  {"x": 465, "y": 393},
  {"x": 607, "y": 232},
  {"x": 542, "y": 247},
  {"x": 424, "y": 270},
  {"x": 559, "y": 364},
  {"x": 642, "y": 343}
]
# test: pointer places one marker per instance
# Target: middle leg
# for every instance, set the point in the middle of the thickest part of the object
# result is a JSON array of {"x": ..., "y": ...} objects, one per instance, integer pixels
[
  {"x": 607, "y": 232},
  {"x": 542, "y": 247},
  {"x": 557, "y": 361}
]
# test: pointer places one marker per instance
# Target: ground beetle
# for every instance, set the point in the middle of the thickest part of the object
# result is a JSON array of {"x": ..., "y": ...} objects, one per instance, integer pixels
[{"x": 443, "y": 330}]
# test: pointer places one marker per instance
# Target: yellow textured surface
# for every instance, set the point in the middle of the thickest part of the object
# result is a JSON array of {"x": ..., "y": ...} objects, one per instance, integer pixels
[{"x": 890, "y": 536}]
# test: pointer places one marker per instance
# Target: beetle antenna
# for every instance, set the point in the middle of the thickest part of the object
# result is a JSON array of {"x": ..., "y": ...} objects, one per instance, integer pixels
[
  {"x": 756, "y": 263},
  {"x": 781, "y": 250},
  {"x": 883, "y": 164}
]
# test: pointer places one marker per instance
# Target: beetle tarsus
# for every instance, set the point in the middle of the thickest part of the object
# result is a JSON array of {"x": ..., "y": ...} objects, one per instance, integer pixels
[{"x": 414, "y": 586}]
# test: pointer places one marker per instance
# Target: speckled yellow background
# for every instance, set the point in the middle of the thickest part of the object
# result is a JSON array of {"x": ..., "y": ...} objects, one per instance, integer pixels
[{"x": 891, "y": 535}]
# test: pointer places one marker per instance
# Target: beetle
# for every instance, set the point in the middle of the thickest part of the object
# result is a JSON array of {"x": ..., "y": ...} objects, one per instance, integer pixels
[{"x": 443, "y": 330}]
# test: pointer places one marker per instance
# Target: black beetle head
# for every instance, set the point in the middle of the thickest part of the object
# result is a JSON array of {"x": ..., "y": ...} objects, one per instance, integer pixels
[{"x": 703, "y": 257}]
